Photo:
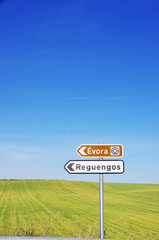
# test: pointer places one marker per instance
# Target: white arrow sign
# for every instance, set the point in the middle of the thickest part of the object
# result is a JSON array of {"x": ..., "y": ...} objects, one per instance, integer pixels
[
  {"x": 82, "y": 151},
  {"x": 89, "y": 167}
]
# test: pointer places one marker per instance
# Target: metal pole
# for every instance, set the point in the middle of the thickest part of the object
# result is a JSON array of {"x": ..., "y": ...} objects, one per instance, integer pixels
[{"x": 101, "y": 204}]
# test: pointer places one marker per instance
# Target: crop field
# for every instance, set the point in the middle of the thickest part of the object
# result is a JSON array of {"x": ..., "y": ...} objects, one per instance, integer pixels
[{"x": 71, "y": 209}]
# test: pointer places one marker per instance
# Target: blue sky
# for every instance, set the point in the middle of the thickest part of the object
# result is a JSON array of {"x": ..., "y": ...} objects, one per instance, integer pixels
[{"x": 78, "y": 72}]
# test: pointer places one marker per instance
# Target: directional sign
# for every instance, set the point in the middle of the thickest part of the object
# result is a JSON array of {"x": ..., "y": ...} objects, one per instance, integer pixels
[
  {"x": 100, "y": 150},
  {"x": 77, "y": 166}
]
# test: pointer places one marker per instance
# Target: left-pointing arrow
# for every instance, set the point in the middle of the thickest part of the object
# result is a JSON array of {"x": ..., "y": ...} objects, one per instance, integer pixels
[{"x": 70, "y": 167}]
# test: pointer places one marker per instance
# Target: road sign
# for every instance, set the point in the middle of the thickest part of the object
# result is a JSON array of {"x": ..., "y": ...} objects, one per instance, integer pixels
[
  {"x": 100, "y": 150},
  {"x": 89, "y": 167}
]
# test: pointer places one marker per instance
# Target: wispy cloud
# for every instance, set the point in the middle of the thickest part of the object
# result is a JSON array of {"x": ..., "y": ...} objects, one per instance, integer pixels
[
  {"x": 95, "y": 98},
  {"x": 19, "y": 153},
  {"x": 67, "y": 129}
]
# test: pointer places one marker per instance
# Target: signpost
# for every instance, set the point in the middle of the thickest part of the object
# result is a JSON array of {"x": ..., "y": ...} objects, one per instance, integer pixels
[
  {"x": 100, "y": 150},
  {"x": 98, "y": 167},
  {"x": 101, "y": 204}
]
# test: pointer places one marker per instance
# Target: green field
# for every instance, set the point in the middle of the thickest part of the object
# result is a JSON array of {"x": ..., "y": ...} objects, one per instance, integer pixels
[{"x": 71, "y": 209}]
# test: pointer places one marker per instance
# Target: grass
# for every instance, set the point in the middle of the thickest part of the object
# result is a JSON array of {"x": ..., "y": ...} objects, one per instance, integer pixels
[{"x": 71, "y": 209}]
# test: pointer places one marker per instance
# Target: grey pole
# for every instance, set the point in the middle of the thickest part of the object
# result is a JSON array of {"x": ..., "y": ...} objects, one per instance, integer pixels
[{"x": 101, "y": 204}]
